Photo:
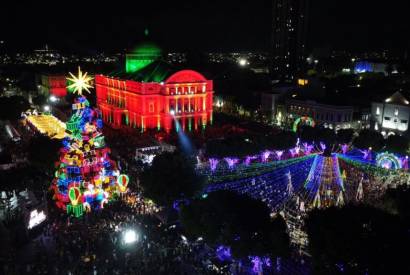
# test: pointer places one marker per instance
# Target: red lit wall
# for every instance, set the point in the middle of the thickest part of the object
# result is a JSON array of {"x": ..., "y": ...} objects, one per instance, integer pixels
[
  {"x": 186, "y": 96},
  {"x": 55, "y": 84}
]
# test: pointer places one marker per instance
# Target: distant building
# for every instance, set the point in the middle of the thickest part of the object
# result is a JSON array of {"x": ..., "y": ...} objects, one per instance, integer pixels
[
  {"x": 392, "y": 115},
  {"x": 329, "y": 116},
  {"x": 147, "y": 154},
  {"x": 371, "y": 67},
  {"x": 289, "y": 29},
  {"x": 53, "y": 85}
]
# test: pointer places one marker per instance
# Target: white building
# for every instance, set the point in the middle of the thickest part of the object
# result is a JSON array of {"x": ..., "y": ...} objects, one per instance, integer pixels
[{"x": 392, "y": 115}]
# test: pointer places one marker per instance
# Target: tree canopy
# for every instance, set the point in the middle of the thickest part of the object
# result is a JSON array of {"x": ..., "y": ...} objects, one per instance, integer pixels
[
  {"x": 357, "y": 239},
  {"x": 397, "y": 144},
  {"x": 247, "y": 144},
  {"x": 12, "y": 107},
  {"x": 43, "y": 152},
  {"x": 237, "y": 221},
  {"x": 369, "y": 138},
  {"x": 396, "y": 201},
  {"x": 344, "y": 135},
  {"x": 171, "y": 176}
]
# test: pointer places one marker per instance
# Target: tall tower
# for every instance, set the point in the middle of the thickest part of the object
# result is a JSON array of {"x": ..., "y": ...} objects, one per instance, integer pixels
[{"x": 289, "y": 28}]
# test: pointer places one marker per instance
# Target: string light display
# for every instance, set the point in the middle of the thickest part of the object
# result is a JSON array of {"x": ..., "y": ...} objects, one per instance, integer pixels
[{"x": 86, "y": 178}]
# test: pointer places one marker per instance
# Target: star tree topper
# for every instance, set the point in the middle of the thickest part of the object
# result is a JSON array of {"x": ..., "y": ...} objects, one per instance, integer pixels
[{"x": 80, "y": 83}]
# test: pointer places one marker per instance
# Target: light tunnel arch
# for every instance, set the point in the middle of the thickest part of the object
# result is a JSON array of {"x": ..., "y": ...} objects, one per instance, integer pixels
[{"x": 303, "y": 119}]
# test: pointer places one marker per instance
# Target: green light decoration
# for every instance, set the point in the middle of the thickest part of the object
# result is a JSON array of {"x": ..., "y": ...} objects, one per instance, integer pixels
[
  {"x": 142, "y": 56},
  {"x": 99, "y": 142},
  {"x": 75, "y": 208},
  {"x": 366, "y": 167},
  {"x": 73, "y": 123},
  {"x": 304, "y": 119},
  {"x": 74, "y": 195}
]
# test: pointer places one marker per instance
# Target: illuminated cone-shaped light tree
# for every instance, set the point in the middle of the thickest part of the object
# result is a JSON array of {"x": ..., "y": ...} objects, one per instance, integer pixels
[{"x": 86, "y": 178}]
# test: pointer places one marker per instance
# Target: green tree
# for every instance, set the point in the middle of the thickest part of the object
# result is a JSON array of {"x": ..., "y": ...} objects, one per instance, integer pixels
[
  {"x": 282, "y": 140},
  {"x": 237, "y": 221},
  {"x": 43, "y": 152},
  {"x": 396, "y": 201},
  {"x": 358, "y": 239},
  {"x": 171, "y": 176},
  {"x": 344, "y": 135},
  {"x": 369, "y": 138},
  {"x": 12, "y": 107},
  {"x": 397, "y": 144}
]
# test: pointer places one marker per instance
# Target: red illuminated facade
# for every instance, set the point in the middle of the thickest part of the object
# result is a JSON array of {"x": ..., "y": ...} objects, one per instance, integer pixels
[
  {"x": 54, "y": 85},
  {"x": 184, "y": 99}
]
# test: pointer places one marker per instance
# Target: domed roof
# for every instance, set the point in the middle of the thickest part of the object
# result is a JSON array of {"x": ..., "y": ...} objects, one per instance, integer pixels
[{"x": 146, "y": 48}]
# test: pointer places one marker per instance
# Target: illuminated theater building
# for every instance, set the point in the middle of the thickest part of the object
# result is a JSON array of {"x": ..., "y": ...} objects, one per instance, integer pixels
[{"x": 149, "y": 94}]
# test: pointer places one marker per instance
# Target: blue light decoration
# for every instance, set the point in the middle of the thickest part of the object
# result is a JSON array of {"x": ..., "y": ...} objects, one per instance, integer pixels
[
  {"x": 213, "y": 162},
  {"x": 388, "y": 160},
  {"x": 363, "y": 67},
  {"x": 270, "y": 187},
  {"x": 231, "y": 162},
  {"x": 223, "y": 253}
]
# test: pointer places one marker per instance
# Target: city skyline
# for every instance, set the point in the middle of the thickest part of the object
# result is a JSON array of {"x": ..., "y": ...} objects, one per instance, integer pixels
[{"x": 204, "y": 26}]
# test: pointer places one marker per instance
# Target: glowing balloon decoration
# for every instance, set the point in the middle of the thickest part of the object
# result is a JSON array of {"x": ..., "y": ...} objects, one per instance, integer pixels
[
  {"x": 74, "y": 194},
  {"x": 122, "y": 181}
]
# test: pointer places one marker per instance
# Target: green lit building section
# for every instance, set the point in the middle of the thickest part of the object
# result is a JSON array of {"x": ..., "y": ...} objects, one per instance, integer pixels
[{"x": 143, "y": 55}]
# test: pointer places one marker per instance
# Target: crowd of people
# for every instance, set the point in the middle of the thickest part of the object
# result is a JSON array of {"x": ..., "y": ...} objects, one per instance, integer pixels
[{"x": 94, "y": 244}]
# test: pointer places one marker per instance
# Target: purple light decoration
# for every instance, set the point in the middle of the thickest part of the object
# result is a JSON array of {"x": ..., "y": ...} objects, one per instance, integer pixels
[
  {"x": 405, "y": 162},
  {"x": 213, "y": 163},
  {"x": 345, "y": 147},
  {"x": 278, "y": 264},
  {"x": 279, "y": 154},
  {"x": 257, "y": 264},
  {"x": 249, "y": 159},
  {"x": 267, "y": 261},
  {"x": 322, "y": 146},
  {"x": 307, "y": 148},
  {"x": 223, "y": 253},
  {"x": 265, "y": 155},
  {"x": 292, "y": 152},
  {"x": 365, "y": 153},
  {"x": 231, "y": 162}
]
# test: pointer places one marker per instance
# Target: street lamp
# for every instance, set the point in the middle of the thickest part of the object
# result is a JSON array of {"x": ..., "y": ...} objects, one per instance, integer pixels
[
  {"x": 243, "y": 62},
  {"x": 53, "y": 98},
  {"x": 130, "y": 236}
]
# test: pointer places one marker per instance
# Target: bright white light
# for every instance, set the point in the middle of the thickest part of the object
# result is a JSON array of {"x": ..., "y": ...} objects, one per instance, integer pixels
[
  {"x": 36, "y": 218},
  {"x": 243, "y": 62},
  {"x": 53, "y": 98},
  {"x": 172, "y": 112},
  {"x": 46, "y": 108},
  {"x": 184, "y": 239},
  {"x": 130, "y": 236}
]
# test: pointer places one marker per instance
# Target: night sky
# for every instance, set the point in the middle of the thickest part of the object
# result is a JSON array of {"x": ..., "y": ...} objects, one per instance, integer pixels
[{"x": 200, "y": 25}]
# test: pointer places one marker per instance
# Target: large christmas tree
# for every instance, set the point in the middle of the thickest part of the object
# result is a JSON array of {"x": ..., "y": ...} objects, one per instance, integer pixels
[{"x": 86, "y": 178}]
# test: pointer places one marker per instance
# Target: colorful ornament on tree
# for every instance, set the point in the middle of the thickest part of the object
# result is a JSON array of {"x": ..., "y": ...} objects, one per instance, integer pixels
[{"x": 86, "y": 178}]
